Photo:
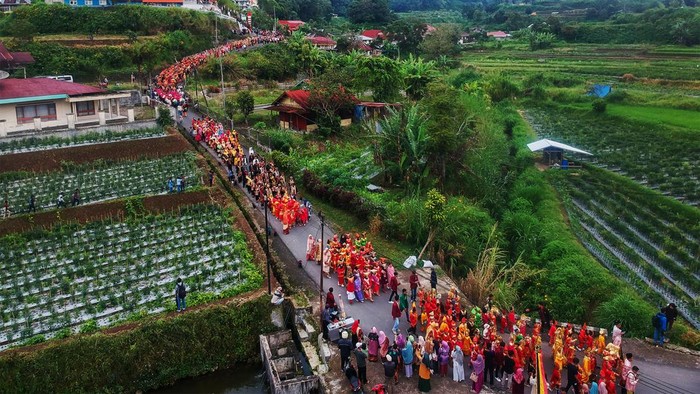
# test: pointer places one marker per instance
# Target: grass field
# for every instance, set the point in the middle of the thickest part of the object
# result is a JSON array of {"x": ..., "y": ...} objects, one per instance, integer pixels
[
  {"x": 653, "y": 115},
  {"x": 671, "y": 63}
]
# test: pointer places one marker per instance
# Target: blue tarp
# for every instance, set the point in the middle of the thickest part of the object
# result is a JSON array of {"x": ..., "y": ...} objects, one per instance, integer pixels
[
  {"x": 600, "y": 91},
  {"x": 359, "y": 111}
]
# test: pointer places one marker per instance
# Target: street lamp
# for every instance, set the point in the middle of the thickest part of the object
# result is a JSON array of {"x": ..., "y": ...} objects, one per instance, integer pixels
[
  {"x": 267, "y": 249},
  {"x": 322, "y": 305}
]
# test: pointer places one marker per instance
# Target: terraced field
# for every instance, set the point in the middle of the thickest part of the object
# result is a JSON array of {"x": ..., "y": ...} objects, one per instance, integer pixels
[
  {"x": 658, "y": 156},
  {"x": 646, "y": 239}
]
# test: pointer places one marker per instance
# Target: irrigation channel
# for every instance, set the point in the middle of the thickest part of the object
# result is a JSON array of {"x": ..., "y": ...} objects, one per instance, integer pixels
[{"x": 244, "y": 379}]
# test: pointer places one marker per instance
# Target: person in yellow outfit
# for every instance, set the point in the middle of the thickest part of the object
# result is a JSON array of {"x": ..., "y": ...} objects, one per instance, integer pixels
[{"x": 600, "y": 342}]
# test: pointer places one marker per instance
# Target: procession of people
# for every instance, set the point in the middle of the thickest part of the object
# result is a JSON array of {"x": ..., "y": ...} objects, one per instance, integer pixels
[
  {"x": 493, "y": 347},
  {"x": 499, "y": 347}
]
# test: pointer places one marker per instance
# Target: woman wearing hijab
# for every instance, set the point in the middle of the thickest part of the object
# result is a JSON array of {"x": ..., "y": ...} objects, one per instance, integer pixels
[
  {"x": 518, "y": 382},
  {"x": 602, "y": 387},
  {"x": 457, "y": 364},
  {"x": 373, "y": 345},
  {"x": 358, "y": 289},
  {"x": 444, "y": 358},
  {"x": 424, "y": 374},
  {"x": 407, "y": 356},
  {"x": 383, "y": 344},
  {"x": 478, "y": 366},
  {"x": 400, "y": 341}
]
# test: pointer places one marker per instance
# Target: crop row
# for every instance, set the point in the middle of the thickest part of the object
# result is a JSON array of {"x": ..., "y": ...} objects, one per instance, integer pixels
[
  {"x": 653, "y": 155},
  {"x": 621, "y": 267},
  {"x": 97, "y": 181},
  {"x": 33, "y": 144},
  {"x": 664, "y": 224},
  {"x": 108, "y": 272},
  {"x": 674, "y": 274},
  {"x": 633, "y": 264}
]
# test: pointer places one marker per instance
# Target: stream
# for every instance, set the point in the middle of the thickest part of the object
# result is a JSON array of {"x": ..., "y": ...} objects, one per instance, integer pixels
[{"x": 244, "y": 379}]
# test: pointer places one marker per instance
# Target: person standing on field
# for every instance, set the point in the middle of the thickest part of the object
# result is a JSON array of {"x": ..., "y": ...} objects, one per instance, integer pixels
[
  {"x": 32, "y": 203},
  {"x": 180, "y": 294}
]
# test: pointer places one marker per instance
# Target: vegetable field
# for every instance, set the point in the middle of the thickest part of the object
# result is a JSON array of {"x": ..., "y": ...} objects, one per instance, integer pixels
[
  {"x": 81, "y": 278},
  {"x": 97, "y": 181},
  {"x": 646, "y": 239},
  {"x": 43, "y": 143},
  {"x": 658, "y": 156}
]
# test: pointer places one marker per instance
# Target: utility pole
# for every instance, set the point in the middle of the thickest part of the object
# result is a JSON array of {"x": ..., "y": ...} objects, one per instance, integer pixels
[
  {"x": 322, "y": 305},
  {"x": 267, "y": 250},
  {"x": 221, "y": 66}
]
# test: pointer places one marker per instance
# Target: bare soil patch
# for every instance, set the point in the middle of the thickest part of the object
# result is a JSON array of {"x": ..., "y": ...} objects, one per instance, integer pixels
[
  {"x": 50, "y": 160},
  {"x": 94, "y": 212}
]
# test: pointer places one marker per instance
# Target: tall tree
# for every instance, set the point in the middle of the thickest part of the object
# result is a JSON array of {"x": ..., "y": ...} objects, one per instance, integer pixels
[
  {"x": 369, "y": 11},
  {"x": 443, "y": 41},
  {"x": 245, "y": 103},
  {"x": 408, "y": 34},
  {"x": 380, "y": 74}
]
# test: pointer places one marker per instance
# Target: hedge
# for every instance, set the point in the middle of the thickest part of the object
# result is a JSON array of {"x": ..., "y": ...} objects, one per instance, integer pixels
[{"x": 155, "y": 353}]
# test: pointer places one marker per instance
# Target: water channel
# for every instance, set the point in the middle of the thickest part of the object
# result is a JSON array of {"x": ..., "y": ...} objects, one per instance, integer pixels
[{"x": 244, "y": 379}]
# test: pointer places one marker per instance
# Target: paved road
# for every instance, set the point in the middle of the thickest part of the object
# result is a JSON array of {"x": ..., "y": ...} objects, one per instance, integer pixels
[{"x": 658, "y": 374}]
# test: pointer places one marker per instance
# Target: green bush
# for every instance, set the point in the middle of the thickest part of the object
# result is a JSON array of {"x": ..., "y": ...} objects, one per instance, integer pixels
[
  {"x": 599, "y": 106},
  {"x": 634, "y": 314},
  {"x": 157, "y": 352},
  {"x": 165, "y": 118},
  {"x": 617, "y": 96},
  {"x": 283, "y": 140}
]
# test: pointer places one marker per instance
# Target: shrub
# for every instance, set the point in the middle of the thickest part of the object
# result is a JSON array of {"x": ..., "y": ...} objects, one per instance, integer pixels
[
  {"x": 165, "y": 118},
  {"x": 599, "y": 106},
  {"x": 156, "y": 353},
  {"x": 617, "y": 96},
  {"x": 283, "y": 140},
  {"x": 634, "y": 314},
  {"x": 501, "y": 88}
]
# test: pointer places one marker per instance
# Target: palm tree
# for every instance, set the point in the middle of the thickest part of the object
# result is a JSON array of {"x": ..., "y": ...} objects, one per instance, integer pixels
[
  {"x": 403, "y": 146},
  {"x": 417, "y": 74}
]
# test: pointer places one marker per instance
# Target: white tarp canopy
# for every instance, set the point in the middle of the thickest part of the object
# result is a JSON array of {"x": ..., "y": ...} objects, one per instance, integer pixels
[{"x": 545, "y": 143}]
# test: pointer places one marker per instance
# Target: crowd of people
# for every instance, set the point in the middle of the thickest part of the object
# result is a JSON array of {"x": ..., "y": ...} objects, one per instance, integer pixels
[
  {"x": 169, "y": 82},
  {"x": 499, "y": 348},
  {"x": 355, "y": 264},
  {"x": 263, "y": 180}
]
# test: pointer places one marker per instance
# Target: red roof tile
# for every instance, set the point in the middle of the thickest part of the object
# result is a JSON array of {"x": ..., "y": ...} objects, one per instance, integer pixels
[
  {"x": 301, "y": 97},
  {"x": 292, "y": 25},
  {"x": 373, "y": 33},
  {"x": 318, "y": 40},
  {"x": 32, "y": 87}
]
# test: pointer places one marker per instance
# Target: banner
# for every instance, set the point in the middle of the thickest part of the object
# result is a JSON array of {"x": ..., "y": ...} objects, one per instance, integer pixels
[
  {"x": 249, "y": 18},
  {"x": 541, "y": 377}
]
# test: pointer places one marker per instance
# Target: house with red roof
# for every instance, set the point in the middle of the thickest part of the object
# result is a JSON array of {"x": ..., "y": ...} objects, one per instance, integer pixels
[
  {"x": 14, "y": 60},
  {"x": 36, "y": 104},
  {"x": 296, "y": 114},
  {"x": 368, "y": 36},
  {"x": 291, "y": 25},
  {"x": 320, "y": 42},
  {"x": 499, "y": 35}
]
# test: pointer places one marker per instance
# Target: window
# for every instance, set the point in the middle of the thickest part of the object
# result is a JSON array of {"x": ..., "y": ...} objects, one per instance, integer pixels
[
  {"x": 73, "y": 2},
  {"x": 103, "y": 2},
  {"x": 27, "y": 113},
  {"x": 85, "y": 108}
]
